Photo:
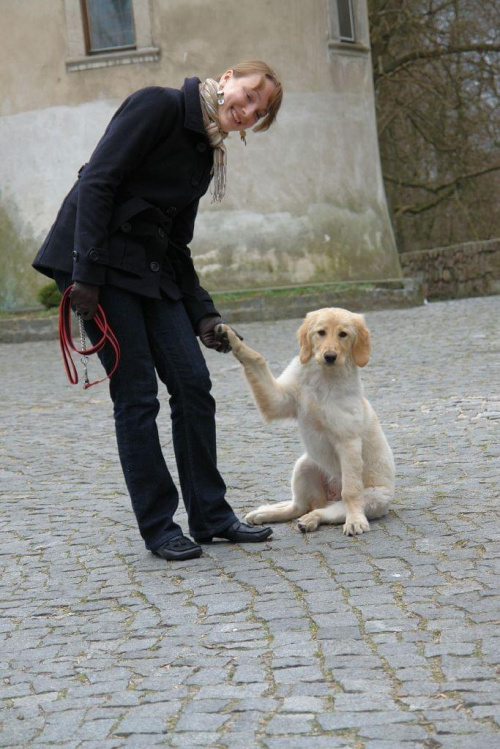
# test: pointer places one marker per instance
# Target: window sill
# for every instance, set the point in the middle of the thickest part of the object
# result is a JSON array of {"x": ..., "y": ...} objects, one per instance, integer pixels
[
  {"x": 347, "y": 48},
  {"x": 109, "y": 59}
]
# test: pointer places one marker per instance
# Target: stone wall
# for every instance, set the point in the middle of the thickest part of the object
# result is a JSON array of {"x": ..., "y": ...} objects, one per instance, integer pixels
[{"x": 462, "y": 270}]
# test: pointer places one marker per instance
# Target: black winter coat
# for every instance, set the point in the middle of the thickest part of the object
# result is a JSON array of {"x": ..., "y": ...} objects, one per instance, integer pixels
[{"x": 129, "y": 218}]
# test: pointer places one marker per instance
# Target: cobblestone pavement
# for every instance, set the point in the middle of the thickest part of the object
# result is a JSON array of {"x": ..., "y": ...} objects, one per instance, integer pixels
[{"x": 320, "y": 641}]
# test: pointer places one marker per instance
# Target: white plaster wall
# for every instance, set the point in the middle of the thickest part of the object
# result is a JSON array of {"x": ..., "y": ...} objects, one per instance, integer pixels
[
  {"x": 52, "y": 144},
  {"x": 305, "y": 201}
]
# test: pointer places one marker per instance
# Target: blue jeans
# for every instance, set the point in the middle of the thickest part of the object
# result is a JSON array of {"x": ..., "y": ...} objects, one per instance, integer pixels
[{"x": 156, "y": 338}]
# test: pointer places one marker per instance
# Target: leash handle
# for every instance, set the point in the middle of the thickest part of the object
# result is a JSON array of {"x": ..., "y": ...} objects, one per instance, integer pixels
[{"x": 67, "y": 345}]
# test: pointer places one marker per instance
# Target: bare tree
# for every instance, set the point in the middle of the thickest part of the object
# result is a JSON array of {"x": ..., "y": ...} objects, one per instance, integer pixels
[{"x": 436, "y": 83}]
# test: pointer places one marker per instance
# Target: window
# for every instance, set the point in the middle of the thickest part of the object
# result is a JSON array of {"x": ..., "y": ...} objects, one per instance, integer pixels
[
  {"x": 346, "y": 21},
  {"x": 108, "y": 25},
  {"x": 348, "y": 31},
  {"x": 103, "y": 33}
]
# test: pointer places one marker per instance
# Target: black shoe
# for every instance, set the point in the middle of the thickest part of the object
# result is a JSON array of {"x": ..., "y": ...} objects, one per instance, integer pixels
[
  {"x": 179, "y": 547},
  {"x": 240, "y": 533}
]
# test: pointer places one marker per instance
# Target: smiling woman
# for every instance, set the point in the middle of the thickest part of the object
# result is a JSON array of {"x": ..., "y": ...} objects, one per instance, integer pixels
[
  {"x": 121, "y": 241},
  {"x": 254, "y": 87},
  {"x": 246, "y": 100},
  {"x": 247, "y": 94}
]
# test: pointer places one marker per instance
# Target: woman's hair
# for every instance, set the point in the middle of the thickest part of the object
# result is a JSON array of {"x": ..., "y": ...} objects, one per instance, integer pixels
[{"x": 250, "y": 67}]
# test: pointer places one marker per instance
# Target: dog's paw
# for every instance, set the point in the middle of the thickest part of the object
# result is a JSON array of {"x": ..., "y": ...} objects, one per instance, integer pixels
[
  {"x": 227, "y": 334},
  {"x": 256, "y": 517},
  {"x": 308, "y": 523},
  {"x": 355, "y": 526}
]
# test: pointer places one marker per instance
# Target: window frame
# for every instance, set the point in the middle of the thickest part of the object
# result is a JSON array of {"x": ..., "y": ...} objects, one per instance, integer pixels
[
  {"x": 88, "y": 35},
  {"x": 79, "y": 58},
  {"x": 360, "y": 43},
  {"x": 349, "y": 8}
]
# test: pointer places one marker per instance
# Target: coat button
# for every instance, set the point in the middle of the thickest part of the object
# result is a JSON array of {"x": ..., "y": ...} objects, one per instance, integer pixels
[
  {"x": 155, "y": 267},
  {"x": 126, "y": 227},
  {"x": 75, "y": 255},
  {"x": 161, "y": 233},
  {"x": 201, "y": 147},
  {"x": 94, "y": 255},
  {"x": 171, "y": 211},
  {"x": 195, "y": 181}
]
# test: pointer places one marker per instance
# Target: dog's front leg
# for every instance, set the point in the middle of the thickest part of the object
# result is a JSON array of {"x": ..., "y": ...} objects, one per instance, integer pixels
[
  {"x": 272, "y": 399},
  {"x": 351, "y": 463}
]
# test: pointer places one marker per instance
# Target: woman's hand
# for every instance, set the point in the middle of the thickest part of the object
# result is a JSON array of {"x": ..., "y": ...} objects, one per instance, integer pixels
[
  {"x": 211, "y": 339},
  {"x": 206, "y": 331},
  {"x": 84, "y": 298}
]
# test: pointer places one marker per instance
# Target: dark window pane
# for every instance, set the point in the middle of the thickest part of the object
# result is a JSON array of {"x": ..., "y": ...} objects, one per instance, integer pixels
[
  {"x": 111, "y": 24},
  {"x": 346, "y": 20}
]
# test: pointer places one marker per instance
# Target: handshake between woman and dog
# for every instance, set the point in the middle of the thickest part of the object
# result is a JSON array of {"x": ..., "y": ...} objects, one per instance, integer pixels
[{"x": 346, "y": 474}]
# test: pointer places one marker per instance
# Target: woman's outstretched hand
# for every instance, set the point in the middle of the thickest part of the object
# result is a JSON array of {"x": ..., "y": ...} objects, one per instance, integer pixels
[
  {"x": 84, "y": 298},
  {"x": 206, "y": 332},
  {"x": 213, "y": 339}
]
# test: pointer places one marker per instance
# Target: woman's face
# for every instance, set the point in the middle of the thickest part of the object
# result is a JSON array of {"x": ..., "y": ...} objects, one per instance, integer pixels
[{"x": 244, "y": 103}]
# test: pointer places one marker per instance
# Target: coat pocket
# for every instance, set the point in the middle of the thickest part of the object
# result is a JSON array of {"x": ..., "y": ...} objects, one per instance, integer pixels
[
  {"x": 126, "y": 254},
  {"x": 128, "y": 210}
]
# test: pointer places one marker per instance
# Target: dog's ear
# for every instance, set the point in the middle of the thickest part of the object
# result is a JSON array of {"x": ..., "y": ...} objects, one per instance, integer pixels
[
  {"x": 305, "y": 345},
  {"x": 362, "y": 347}
]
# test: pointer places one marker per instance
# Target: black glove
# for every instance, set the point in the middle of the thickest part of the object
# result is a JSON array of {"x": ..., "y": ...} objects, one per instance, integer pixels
[
  {"x": 84, "y": 298},
  {"x": 206, "y": 331},
  {"x": 208, "y": 336}
]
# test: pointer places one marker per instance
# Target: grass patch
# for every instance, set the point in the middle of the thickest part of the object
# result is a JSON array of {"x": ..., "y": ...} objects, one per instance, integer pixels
[
  {"x": 32, "y": 313},
  {"x": 290, "y": 291}
]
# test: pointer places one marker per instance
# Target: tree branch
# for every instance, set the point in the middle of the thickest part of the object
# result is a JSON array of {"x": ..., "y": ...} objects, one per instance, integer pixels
[
  {"x": 448, "y": 187},
  {"x": 444, "y": 185},
  {"x": 433, "y": 54}
]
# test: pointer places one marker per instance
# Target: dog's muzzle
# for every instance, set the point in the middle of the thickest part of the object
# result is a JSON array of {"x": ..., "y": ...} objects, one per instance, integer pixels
[{"x": 330, "y": 357}]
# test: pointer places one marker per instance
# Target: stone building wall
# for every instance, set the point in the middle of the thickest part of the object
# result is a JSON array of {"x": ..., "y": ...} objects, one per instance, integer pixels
[{"x": 462, "y": 270}]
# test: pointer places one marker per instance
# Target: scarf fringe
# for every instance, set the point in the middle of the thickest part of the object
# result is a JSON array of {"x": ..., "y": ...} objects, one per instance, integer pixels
[{"x": 216, "y": 136}]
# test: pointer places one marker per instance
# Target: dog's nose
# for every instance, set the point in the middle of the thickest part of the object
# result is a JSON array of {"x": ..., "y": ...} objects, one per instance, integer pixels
[{"x": 330, "y": 357}]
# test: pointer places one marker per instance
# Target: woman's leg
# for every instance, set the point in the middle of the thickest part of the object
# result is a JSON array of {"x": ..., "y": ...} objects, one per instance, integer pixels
[
  {"x": 181, "y": 366},
  {"x": 134, "y": 389}
]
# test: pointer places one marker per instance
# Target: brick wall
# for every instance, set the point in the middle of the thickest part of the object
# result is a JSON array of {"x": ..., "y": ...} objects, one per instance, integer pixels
[{"x": 462, "y": 270}]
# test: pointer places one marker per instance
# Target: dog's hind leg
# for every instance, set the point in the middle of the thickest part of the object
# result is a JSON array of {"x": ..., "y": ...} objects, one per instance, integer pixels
[
  {"x": 308, "y": 490},
  {"x": 333, "y": 514},
  {"x": 275, "y": 513},
  {"x": 376, "y": 500}
]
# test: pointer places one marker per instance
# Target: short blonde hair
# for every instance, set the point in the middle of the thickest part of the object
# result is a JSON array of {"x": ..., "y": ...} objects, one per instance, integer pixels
[{"x": 250, "y": 67}]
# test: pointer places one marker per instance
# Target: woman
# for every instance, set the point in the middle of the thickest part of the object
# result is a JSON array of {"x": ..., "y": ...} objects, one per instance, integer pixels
[{"x": 121, "y": 238}]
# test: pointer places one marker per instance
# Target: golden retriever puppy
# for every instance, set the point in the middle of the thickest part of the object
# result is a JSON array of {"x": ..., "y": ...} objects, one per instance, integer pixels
[{"x": 346, "y": 474}]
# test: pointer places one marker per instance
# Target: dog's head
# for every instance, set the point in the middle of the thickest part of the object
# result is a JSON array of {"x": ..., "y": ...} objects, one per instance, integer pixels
[{"x": 334, "y": 336}]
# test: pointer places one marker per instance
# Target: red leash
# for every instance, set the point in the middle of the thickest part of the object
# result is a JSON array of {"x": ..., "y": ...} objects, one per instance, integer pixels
[{"x": 66, "y": 341}]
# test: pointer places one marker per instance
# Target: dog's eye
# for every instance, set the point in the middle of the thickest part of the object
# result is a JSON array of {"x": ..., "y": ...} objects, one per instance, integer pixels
[
  {"x": 342, "y": 334},
  {"x": 321, "y": 332}
]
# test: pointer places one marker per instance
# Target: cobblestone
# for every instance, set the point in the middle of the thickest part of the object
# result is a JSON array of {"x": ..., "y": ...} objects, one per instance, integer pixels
[{"x": 384, "y": 641}]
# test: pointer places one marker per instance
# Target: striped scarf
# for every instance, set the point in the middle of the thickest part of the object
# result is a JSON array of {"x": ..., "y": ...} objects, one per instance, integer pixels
[{"x": 210, "y": 110}]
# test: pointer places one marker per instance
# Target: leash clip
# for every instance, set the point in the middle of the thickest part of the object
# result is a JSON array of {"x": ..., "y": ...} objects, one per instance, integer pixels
[{"x": 84, "y": 359}]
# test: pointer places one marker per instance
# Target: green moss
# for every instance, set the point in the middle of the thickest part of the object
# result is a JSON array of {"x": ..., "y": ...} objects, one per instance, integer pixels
[{"x": 19, "y": 282}]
